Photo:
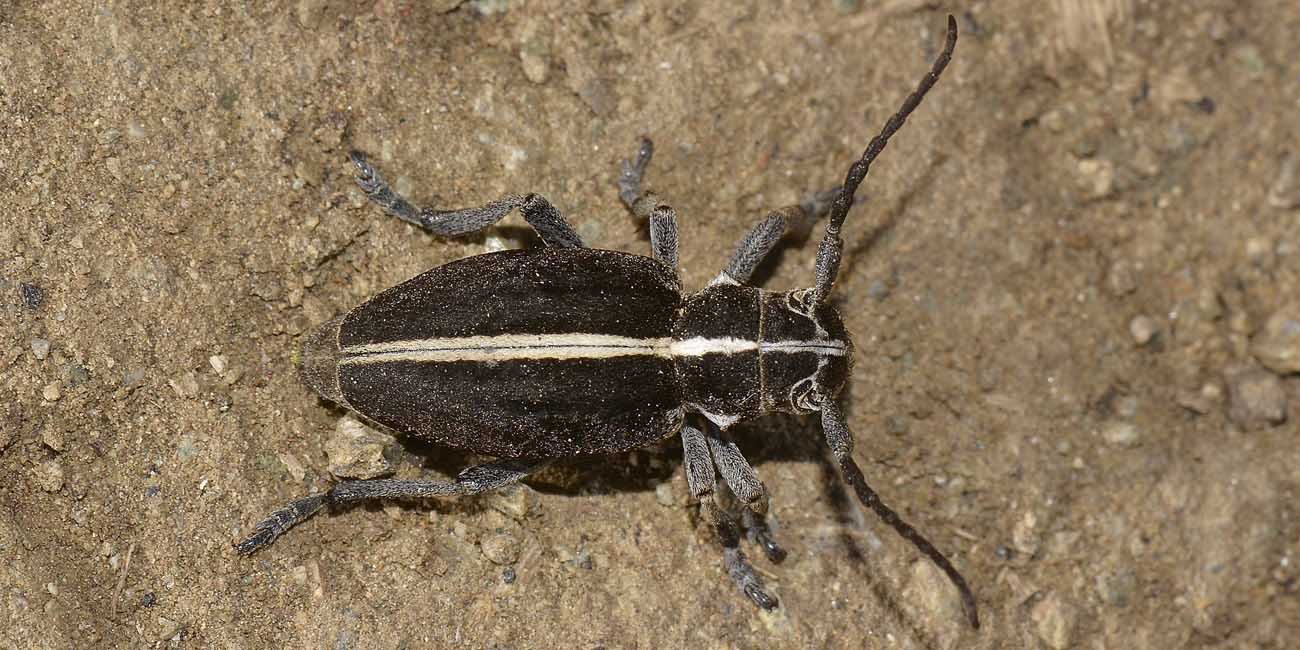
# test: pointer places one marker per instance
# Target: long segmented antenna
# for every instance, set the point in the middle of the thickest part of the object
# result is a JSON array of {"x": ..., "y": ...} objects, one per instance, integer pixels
[
  {"x": 840, "y": 440},
  {"x": 828, "y": 253}
]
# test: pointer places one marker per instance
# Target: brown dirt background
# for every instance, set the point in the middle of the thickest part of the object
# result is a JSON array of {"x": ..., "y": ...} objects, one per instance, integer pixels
[{"x": 174, "y": 181}]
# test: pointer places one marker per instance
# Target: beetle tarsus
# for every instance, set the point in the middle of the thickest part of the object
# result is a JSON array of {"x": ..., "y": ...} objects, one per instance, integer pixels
[
  {"x": 629, "y": 181},
  {"x": 280, "y": 521},
  {"x": 760, "y": 535},
  {"x": 761, "y": 598}
]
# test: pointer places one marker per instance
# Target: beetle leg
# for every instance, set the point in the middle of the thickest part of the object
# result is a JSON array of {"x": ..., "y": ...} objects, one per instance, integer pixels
[
  {"x": 550, "y": 225},
  {"x": 629, "y": 181},
  {"x": 473, "y": 480},
  {"x": 540, "y": 214},
  {"x": 740, "y": 476},
  {"x": 756, "y": 244},
  {"x": 646, "y": 205},
  {"x": 702, "y": 481},
  {"x": 760, "y": 240}
]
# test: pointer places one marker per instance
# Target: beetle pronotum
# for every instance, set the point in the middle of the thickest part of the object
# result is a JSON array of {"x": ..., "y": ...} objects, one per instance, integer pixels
[{"x": 539, "y": 354}]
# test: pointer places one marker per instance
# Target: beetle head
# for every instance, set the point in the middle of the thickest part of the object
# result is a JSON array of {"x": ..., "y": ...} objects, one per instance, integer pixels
[{"x": 807, "y": 352}]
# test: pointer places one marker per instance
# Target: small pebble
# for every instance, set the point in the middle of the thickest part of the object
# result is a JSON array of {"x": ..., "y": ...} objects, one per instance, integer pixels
[
  {"x": 500, "y": 548},
  {"x": 114, "y": 166},
  {"x": 1054, "y": 621},
  {"x": 1126, "y": 406},
  {"x": 186, "y": 385},
  {"x": 514, "y": 501},
  {"x": 535, "y": 58},
  {"x": 33, "y": 296},
  {"x": 51, "y": 392},
  {"x": 1121, "y": 278},
  {"x": 132, "y": 379},
  {"x": 488, "y": 7},
  {"x": 929, "y": 588},
  {"x": 1256, "y": 397},
  {"x": 167, "y": 629},
  {"x": 218, "y": 363},
  {"x": 1201, "y": 401},
  {"x": 1024, "y": 535},
  {"x": 357, "y": 451},
  {"x": 186, "y": 447},
  {"x": 293, "y": 465},
  {"x": 40, "y": 348},
  {"x": 53, "y": 438},
  {"x": 1143, "y": 329},
  {"x": 1117, "y": 588},
  {"x": 1277, "y": 346},
  {"x": 1284, "y": 193},
  {"x": 1123, "y": 434},
  {"x": 664, "y": 494},
  {"x": 49, "y": 476},
  {"x": 1096, "y": 177},
  {"x": 583, "y": 560}
]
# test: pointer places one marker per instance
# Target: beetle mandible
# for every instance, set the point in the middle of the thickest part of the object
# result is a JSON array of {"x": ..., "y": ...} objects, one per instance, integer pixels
[{"x": 533, "y": 355}]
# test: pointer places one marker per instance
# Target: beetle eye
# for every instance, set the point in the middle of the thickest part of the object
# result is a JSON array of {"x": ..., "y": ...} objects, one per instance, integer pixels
[
  {"x": 801, "y": 301},
  {"x": 812, "y": 399},
  {"x": 804, "y": 396}
]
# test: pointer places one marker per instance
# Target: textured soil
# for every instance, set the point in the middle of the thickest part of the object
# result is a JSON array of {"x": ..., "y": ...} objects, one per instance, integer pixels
[{"x": 1074, "y": 287}]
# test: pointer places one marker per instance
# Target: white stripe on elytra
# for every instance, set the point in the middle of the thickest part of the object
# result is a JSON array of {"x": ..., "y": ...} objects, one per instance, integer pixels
[{"x": 510, "y": 347}]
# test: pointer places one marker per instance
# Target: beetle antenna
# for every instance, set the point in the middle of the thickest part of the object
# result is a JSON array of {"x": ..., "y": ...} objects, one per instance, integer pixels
[
  {"x": 840, "y": 441},
  {"x": 828, "y": 253}
]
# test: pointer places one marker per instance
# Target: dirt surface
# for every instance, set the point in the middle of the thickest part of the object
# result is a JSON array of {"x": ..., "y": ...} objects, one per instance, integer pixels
[{"x": 1074, "y": 288}]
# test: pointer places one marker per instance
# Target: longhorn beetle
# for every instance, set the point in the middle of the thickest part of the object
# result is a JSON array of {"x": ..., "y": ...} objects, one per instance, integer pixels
[{"x": 534, "y": 355}]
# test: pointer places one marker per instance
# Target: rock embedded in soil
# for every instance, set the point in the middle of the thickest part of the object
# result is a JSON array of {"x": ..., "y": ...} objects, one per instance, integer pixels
[
  {"x": 514, "y": 501},
  {"x": 33, "y": 296},
  {"x": 1025, "y": 536},
  {"x": 358, "y": 451},
  {"x": 1284, "y": 192},
  {"x": 49, "y": 476},
  {"x": 1116, "y": 588},
  {"x": 500, "y": 548},
  {"x": 52, "y": 436},
  {"x": 1120, "y": 433},
  {"x": 1277, "y": 346},
  {"x": 1201, "y": 401},
  {"x": 930, "y": 591},
  {"x": 1054, "y": 621},
  {"x": 1256, "y": 397},
  {"x": 1143, "y": 329}
]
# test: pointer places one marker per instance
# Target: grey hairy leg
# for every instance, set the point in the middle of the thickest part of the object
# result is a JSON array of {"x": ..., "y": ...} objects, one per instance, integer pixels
[
  {"x": 702, "y": 481},
  {"x": 646, "y": 205},
  {"x": 550, "y": 225},
  {"x": 473, "y": 480},
  {"x": 760, "y": 240},
  {"x": 743, "y": 482}
]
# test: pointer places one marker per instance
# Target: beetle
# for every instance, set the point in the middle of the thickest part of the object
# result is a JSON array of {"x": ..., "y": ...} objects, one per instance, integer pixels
[{"x": 534, "y": 355}]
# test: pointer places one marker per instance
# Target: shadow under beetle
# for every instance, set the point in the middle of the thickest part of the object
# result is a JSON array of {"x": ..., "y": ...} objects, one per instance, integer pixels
[{"x": 539, "y": 354}]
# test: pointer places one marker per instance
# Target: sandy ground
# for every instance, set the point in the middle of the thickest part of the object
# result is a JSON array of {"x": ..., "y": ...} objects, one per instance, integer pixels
[{"x": 1074, "y": 289}]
